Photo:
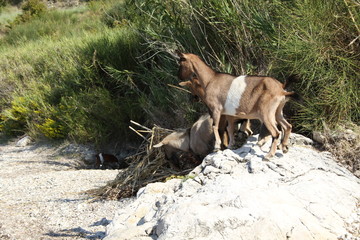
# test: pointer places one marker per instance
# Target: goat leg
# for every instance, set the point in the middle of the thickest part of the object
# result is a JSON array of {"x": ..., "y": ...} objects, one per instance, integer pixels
[
  {"x": 245, "y": 127},
  {"x": 230, "y": 130},
  {"x": 216, "y": 119},
  {"x": 286, "y": 127},
  {"x": 264, "y": 135},
  {"x": 275, "y": 141},
  {"x": 275, "y": 133}
]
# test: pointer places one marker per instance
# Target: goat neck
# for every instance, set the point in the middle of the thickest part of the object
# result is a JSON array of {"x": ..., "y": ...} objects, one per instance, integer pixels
[{"x": 203, "y": 72}]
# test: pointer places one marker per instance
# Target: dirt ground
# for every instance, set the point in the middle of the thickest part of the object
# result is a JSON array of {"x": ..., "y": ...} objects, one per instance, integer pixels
[{"x": 42, "y": 195}]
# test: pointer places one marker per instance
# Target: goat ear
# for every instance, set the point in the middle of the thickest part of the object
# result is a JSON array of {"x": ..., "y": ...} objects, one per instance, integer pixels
[
  {"x": 180, "y": 55},
  {"x": 160, "y": 144}
]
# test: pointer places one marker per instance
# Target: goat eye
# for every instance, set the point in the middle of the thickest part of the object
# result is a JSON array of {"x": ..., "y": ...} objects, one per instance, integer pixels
[{"x": 182, "y": 59}]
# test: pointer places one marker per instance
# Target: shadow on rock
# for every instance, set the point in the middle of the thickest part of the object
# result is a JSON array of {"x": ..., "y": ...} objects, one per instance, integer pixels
[{"x": 77, "y": 232}]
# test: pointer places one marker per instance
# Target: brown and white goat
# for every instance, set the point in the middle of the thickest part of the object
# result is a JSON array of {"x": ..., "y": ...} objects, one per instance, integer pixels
[
  {"x": 247, "y": 97},
  {"x": 196, "y": 90}
]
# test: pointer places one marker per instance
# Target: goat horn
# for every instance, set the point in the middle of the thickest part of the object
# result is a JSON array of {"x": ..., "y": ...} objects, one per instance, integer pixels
[{"x": 178, "y": 54}]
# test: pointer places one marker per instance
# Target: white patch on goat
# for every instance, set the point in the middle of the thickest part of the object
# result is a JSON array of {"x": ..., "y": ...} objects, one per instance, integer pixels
[{"x": 236, "y": 90}]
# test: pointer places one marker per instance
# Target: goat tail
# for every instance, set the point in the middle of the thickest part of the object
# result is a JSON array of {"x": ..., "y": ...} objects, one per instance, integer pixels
[
  {"x": 290, "y": 80},
  {"x": 292, "y": 95},
  {"x": 288, "y": 93}
]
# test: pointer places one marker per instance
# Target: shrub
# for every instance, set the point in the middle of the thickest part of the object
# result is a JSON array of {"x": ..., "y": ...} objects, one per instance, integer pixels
[
  {"x": 2, "y": 4},
  {"x": 52, "y": 129},
  {"x": 30, "y": 8},
  {"x": 315, "y": 40},
  {"x": 14, "y": 120}
]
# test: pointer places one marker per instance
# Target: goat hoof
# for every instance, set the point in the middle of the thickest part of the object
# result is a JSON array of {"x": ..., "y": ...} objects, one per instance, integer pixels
[
  {"x": 248, "y": 133},
  {"x": 267, "y": 157},
  {"x": 284, "y": 148}
]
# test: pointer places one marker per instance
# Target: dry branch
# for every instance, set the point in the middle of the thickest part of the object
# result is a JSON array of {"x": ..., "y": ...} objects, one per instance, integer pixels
[{"x": 147, "y": 165}]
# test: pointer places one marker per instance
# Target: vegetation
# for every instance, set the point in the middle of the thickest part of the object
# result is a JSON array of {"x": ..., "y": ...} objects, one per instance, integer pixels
[
  {"x": 30, "y": 9},
  {"x": 85, "y": 82}
]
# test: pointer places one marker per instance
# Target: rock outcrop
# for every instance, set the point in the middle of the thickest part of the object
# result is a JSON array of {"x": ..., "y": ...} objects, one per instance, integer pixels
[{"x": 233, "y": 194}]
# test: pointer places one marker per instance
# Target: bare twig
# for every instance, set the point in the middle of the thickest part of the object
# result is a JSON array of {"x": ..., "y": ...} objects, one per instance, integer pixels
[
  {"x": 138, "y": 133},
  {"x": 148, "y": 165},
  {"x": 139, "y": 125},
  {"x": 179, "y": 88}
]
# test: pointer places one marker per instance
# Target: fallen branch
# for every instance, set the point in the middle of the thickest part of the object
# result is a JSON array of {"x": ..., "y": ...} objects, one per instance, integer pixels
[{"x": 146, "y": 166}]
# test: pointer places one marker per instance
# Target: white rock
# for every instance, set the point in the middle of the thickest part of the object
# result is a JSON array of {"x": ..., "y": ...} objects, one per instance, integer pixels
[
  {"x": 303, "y": 194},
  {"x": 24, "y": 141},
  {"x": 319, "y": 137},
  {"x": 297, "y": 139}
]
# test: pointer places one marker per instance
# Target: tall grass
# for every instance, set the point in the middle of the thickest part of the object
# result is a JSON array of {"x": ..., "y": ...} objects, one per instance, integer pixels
[
  {"x": 63, "y": 92},
  {"x": 87, "y": 81},
  {"x": 84, "y": 84},
  {"x": 319, "y": 42},
  {"x": 316, "y": 40}
]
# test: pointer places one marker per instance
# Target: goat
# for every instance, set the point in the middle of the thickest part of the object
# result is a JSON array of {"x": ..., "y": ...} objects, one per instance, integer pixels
[
  {"x": 247, "y": 97},
  {"x": 179, "y": 140},
  {"x": 105, "y": 161},
  {"x": 197, "y": 90},
  {"x": 198, "y": 139}
]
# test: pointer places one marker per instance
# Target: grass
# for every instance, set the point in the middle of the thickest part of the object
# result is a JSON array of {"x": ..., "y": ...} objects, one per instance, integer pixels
[
  {"x": 320, "y": 51},
  {"x": 8, "y": 14},
  {"x": 54, "y": 25},
  {"x": 63, "y": 86},
  {"x": 85, "y": 82}
]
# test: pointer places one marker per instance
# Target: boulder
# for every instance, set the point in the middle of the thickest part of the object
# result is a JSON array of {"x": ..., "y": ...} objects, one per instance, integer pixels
[
  {"x": 234, "y": 194},
  {"x": 24, "y": 141}
]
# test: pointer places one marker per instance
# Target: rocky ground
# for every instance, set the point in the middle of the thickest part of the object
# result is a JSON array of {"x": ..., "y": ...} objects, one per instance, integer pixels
[
  {"x": 234, "y": 194},
  {"x": 42, "y": 194},
  {"x": 304, "y": 194}
]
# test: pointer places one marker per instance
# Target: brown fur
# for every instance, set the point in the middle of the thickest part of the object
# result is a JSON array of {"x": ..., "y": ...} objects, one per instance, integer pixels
[
  {"x": 198, "y": 139},
  {"x": 263, "y": 99},
  {"x": 196, "y": 90}
]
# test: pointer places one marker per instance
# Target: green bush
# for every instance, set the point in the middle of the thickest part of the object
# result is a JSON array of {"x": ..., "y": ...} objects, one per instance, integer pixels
[
  {"x": 2, "y": 4},
  {"x": 30, "y": 9}
]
